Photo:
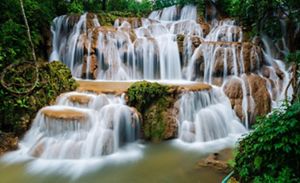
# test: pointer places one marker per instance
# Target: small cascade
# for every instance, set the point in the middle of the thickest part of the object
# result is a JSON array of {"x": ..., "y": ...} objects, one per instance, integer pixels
[
  {"x": 217, "y": 60},
  {"x": 207, "y": 116},
  {"x": 81, "y": 126},
  {"x": 225, "y": 31},
  {"x": 275, "y": 73},
  {"x": 189, "y": 12},
  {"x": 113, "y": 46}
]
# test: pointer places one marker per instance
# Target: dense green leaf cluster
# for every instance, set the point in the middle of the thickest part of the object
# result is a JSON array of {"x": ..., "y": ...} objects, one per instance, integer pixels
[
  {"x": 139, "y": 8},
  {"x": 267, "y": 16},
  {"x": 152, "y": 100},
  {"x": 17, "y": 111},
  {"x": 143, "y": 94},
  {"x": 13, "y": 38},
  {"x": 271, "y": 152}
]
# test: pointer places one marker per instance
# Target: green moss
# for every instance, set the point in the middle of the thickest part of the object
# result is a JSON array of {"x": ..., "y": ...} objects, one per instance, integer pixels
[
  {"x": 142, "y": 94},
  {"x": 155, "y": 119},
  {"x": 18, "y": 110},
  {"x": 108, "y": 19},
  {"x": 152, "y": 100}
]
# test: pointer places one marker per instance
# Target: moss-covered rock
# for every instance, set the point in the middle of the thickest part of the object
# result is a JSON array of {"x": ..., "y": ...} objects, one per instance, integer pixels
[
  {"x": 19, "y": 108},
  {"x": 156, "y": 104}
]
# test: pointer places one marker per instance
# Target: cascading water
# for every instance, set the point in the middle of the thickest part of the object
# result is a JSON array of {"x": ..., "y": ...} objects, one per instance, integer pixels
[
  {"x": 150, "y": 50},
  {"x": 83, "y": 126},
  {"x": 207, "y": 116}
]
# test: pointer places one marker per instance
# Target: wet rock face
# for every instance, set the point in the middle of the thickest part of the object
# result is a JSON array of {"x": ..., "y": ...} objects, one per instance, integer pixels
[
  {"x": 233, "y": 89},
  {"x": 134, "y": 22},
  {"x": 159, "y": 120},
  {"x": 8, "y": 142},
  {"x": 258, "y": 97},
  {"x": 104, "y": 46},
  {"x": 260, "y": 94},
  {"x": 186, "y": 42},
  {"x": 228, "y": 58}
]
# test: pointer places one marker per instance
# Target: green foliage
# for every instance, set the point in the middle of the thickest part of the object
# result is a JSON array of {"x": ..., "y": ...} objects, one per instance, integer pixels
[
  {"x": 140, "y": 8},
  {"x": 166, "y": 3},
  {"x": 142, "y": 94},
  {"x": 294, "y": 57},
  {"x": 152, "y": 100},
  {"x": 262, "y": 16},
  {"x": 17, "y": 111},
  {"x": 75, "y": 7},
  {"x": 108, "y": 18},
  {"x": 154, "y": 118},
  {"x": 271, "y": 152}
]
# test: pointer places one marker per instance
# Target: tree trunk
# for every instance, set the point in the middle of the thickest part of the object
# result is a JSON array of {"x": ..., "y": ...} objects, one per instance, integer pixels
[{"x": 28, "y": 31}]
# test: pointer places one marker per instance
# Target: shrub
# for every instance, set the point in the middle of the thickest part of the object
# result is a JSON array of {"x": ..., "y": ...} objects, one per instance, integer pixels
[
  {"x": 271, "y": 152},
  {"x": 18, "y": 110},
  {"x": 143, "y": 94}
]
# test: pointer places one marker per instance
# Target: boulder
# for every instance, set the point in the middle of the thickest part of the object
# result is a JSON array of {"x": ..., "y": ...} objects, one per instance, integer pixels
[{"x": 218, "y": 161}]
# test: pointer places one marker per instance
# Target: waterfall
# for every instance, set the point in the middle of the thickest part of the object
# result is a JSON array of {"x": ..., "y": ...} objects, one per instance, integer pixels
[
  {"x": 149, "y": 48},
  {"x": 207, "y": 116},
  {"x": 171, "y": 44},
  {"x": 81, "y": 126},
  {"x": 67, "y": 44},
  {"x": 188, "y": 12}
]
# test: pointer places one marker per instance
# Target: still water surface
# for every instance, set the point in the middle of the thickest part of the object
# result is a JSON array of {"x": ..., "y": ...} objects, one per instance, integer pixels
[{"x": 156, "y": 163}]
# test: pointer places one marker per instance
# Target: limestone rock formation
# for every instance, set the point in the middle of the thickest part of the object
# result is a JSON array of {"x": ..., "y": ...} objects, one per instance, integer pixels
[{"x": 258, "y": 98}]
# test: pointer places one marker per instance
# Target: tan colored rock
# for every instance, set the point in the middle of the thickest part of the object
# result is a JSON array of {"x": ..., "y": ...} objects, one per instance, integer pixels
[
  {"x": 134, "y": 22},
  {"x": 116, "y": 87},
  {"x": 205, "y": 28},
  {"x": 196, "y": 41},
  {"x": 80, "y": 99},
  {"x": 171, "y": 129},
  {"x": 90, "y": 20},
  {"x": 233, "y": 90},
  {"x": 252, "y": 56},
  {"x": 93, "y": 65},
  {"x": 218, "y": 161},
  {"x": 256, "y": 88},
  {"x": 260, "y": 94},
  {"x": 248, "y": 57},
  {"x": 65, "y": 114}
]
